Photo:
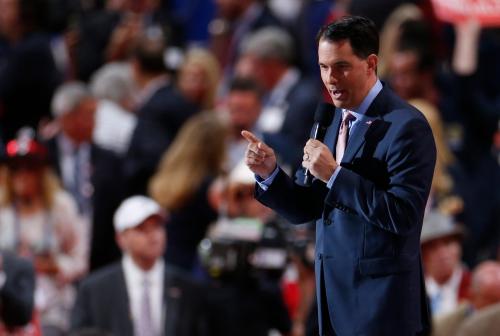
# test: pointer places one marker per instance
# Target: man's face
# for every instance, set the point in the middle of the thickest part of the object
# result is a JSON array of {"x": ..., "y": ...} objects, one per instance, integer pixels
[
  {"x": 347, "y": 77},
  {"x": 251, "y": 66},
  {"x": 145, "y": 242},
  {"x": 440, "y": 257},
  {"x": 244, "y": 109},
  {"x": 193, "y": 82},
  {"x": 79, "y": 123},
  {"x": 404, "y": 76},
  {"x": 26, "y": 181}
]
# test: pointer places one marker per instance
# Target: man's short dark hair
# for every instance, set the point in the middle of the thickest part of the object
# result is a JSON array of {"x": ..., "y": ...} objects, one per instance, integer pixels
[
  {"x": 245, "y": 84},
  {"x": 361, "y": 33},
  {"x": 149, "y": 54}
]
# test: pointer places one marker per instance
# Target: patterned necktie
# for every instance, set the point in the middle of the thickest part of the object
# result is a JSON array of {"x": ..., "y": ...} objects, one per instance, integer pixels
[
  {"x": 145, "y": 323},
  {"x": 343, "y": 134}
]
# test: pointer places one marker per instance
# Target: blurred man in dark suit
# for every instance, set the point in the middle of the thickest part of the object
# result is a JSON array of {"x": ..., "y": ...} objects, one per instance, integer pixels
[
  {"x": 139, "y": 295},
  {"x": 289, "y": 97},
  {"x": 161, "y": 110},
  {"x": 90, "y": 173}
]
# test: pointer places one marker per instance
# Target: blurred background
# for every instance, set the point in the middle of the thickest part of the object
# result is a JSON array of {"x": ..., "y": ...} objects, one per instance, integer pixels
[{"x": 104, "y": 99}]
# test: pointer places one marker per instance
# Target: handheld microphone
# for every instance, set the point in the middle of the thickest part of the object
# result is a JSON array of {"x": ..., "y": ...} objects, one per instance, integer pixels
[{"x": 322, "y": 119}]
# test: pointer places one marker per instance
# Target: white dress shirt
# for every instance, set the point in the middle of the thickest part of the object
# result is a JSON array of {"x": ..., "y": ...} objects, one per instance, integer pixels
[
  {"x": 114, "y": 127},
  {"x": 134, "y": 277},
  {"x": 444, "y": 298}
]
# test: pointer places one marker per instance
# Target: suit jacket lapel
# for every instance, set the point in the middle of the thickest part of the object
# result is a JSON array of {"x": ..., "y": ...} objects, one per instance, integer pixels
[
  {"x": 356, "y": 139},
  {"x": 357, "y": 136},
  {"x": 122, "y": 307},
  {"x": 172, "y": 299}
]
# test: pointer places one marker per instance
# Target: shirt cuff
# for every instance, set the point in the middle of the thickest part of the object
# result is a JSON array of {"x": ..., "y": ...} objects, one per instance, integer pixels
[
  {"x": 334, "y": 176},
  {"x": 265, "y": 184}
]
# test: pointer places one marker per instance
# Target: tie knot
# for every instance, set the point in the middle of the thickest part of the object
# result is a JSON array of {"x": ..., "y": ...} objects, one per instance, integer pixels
[{"x": 347, "y": 116}]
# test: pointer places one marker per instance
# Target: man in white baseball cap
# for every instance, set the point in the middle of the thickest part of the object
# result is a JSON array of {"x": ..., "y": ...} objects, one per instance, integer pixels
[{"x": 139, "y": 296}]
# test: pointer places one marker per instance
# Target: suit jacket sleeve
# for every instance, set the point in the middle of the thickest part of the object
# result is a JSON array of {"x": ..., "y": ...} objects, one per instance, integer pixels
[
  {"x": 17, "y": 294},
  {"x": 297, "y": 203}
]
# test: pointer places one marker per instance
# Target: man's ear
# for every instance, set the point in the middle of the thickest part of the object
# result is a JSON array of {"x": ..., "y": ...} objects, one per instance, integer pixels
[
  {"x": 120, "y": 240},
  {"x": 372, "y": 61}
]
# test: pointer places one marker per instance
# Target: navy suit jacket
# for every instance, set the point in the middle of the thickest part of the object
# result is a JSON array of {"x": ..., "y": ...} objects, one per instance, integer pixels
[
  {"x": 103, "y": 303},
  {"x": 368, "y": 224}
]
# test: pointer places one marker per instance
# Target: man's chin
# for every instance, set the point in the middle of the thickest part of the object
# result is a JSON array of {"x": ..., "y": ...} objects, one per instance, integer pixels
[{"x": 339, "y": 103}]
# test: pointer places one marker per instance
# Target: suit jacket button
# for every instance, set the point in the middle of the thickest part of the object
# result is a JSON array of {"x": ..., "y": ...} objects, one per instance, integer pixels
[{"x": 328, "y": 221}]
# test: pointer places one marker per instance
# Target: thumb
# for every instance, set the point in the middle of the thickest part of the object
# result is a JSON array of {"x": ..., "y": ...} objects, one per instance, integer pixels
[{"x": 262, "y": 146}]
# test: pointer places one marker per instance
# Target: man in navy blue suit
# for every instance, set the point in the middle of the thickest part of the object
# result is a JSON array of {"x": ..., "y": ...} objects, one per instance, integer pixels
[{"x": 368, "y": 194}]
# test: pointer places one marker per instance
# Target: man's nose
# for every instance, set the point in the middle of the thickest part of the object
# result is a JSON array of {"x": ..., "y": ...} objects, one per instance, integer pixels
[{"x": 331, "y": 79}]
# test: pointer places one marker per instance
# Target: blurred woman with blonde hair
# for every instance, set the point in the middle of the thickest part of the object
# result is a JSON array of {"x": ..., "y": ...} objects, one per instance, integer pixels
[
  {"x": 199, "y": 77},
  {"x": 441, "y": 195},
  {"x": 182, "y": 183},
  {"x": 390, "y": 34}
]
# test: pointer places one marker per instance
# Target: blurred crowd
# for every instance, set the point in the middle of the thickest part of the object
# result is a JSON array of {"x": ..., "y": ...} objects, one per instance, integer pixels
[{"x": 126, "y": 209}]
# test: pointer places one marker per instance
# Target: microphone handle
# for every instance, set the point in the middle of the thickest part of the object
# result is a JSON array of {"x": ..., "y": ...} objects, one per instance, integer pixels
[
  {"x": 308, "y": 178},
  {"x": 318, "y": 133}
]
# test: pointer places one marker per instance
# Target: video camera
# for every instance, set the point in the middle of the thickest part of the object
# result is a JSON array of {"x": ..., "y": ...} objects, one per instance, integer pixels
[{"x": 242, "y": 248}]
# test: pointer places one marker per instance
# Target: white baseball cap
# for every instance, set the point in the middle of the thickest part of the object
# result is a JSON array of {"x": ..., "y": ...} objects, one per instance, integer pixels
[{"x": 134, "y": 211}]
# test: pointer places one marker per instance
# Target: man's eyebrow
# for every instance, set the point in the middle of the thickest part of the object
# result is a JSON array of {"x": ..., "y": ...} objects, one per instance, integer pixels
[
  {"x": 341, "y": 63},
  {"x": 337, "y": 63}
]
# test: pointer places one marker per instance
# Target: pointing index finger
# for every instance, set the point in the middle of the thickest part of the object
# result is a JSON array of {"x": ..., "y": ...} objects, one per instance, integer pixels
[
  {"x": 258, "y": 146},
  {"x": 250, "y": 137}
]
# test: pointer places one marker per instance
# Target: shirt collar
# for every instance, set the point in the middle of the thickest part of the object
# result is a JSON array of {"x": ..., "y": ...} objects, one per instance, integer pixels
[
  {"x": 360, "y": 111},
  {"x": 452, "y": 284},
  {"x": 137, "y": 275}
]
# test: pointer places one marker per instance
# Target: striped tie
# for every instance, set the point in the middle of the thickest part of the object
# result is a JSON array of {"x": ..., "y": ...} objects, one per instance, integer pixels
[{"x": 343, "y": 134}]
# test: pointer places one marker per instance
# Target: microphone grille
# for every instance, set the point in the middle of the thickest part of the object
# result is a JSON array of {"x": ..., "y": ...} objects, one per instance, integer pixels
[{"x": 324, "y": 114}]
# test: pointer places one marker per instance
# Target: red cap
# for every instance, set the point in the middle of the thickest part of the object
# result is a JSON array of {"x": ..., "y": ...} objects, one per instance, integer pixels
[{"x": 25, "y": 148}]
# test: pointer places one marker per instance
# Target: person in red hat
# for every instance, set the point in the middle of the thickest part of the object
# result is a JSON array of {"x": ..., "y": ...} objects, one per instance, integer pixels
[{"x": 39, "y": 220}]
